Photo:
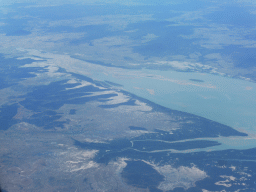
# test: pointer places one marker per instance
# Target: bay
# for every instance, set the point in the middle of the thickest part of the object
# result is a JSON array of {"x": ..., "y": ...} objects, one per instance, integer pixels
[{"x": 222, "y": 99}]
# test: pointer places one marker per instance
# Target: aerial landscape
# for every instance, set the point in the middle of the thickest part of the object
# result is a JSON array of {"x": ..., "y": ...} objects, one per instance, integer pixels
[{"x": 129, "y": 96}]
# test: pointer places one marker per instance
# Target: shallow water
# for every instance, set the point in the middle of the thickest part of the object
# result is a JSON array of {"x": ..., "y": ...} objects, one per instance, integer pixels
[{"x": 226, "y": 100}]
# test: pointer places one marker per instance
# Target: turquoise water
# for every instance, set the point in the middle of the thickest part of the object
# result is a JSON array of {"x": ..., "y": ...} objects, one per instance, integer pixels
[{"x": 222, "y": 99}]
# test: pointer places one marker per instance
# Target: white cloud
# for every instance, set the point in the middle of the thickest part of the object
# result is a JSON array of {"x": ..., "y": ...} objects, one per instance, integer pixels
[{"x": 148, "y": 37}]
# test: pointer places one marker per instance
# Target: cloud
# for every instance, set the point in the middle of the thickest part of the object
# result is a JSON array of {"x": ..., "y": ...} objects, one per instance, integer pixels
[{"x": 148, "y": 37}]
